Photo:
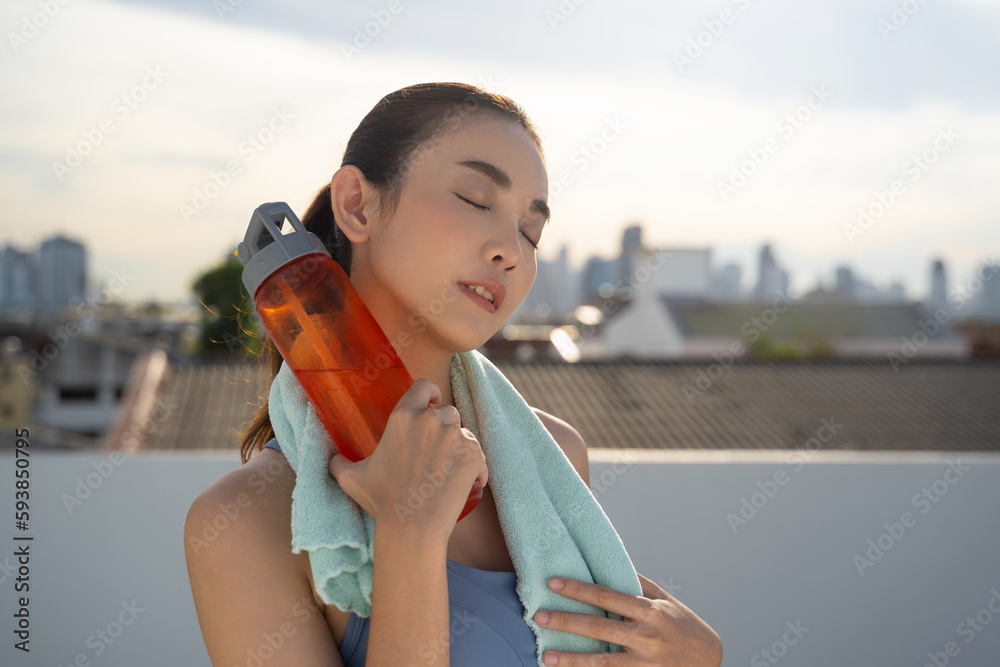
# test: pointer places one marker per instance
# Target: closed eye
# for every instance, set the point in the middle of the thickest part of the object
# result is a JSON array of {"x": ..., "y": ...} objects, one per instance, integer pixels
[
  {"x": 487, "y": 208},
  {"x": 479, "y": 206}
]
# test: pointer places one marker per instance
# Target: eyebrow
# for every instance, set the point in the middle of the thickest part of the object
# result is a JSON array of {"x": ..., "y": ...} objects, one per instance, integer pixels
[{"x": 502, "y": 181}]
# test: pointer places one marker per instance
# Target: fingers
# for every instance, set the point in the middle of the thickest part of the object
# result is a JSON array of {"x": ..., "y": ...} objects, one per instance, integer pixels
[
  {"x": 652, "y": 590},
  {"x": 586, "y": 625},
  {"x": 420, "y": 395},
  {"x": 346, "y": 474},
  {"x": 423, "y": 394},
  {"x": 623, "y": 604},
  {"x": 449, "y": 415},
  {"x": 476, "y": 449}
]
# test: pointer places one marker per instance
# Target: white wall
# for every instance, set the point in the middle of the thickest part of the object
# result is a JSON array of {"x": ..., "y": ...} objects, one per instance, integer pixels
[
  {"x": 685, "y": 271},
  {"x": 791, "y": 562},
  {"x": 643, "y": 329}
]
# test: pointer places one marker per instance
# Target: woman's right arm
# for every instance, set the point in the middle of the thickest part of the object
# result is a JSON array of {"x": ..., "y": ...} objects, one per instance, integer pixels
[
  {"x": 251, "y": 597},
  {"x": 252, "y": 600}
]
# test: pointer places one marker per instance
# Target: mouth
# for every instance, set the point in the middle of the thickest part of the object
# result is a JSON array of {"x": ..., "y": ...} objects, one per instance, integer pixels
[{"x": 489, "y": 290}]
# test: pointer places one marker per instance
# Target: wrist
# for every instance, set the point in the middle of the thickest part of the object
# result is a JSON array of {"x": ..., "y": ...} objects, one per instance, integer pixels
[{"x": 391, "y": 531}]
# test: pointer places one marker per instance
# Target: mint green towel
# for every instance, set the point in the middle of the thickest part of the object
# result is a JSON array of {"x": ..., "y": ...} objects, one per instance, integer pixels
[{"x": 551, "y": 521}]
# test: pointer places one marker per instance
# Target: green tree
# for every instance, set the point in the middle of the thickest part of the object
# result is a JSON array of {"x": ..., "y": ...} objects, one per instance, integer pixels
[{"x": 229, "y": 324}]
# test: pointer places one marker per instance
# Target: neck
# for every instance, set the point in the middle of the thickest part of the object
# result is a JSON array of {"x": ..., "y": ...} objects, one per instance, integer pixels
[{"x": 434, "y": 365}]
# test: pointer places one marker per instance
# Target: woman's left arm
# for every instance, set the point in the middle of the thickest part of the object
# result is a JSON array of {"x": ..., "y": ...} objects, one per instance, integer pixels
[{"x": 657, "y": 629}]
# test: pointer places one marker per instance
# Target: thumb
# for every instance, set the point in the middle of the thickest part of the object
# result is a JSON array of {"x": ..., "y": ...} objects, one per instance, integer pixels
[{"x": 338, "y": 465}]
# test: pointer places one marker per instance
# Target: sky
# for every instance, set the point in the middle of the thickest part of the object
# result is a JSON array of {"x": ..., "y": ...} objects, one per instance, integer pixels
[{"x": 723, "y": 124}]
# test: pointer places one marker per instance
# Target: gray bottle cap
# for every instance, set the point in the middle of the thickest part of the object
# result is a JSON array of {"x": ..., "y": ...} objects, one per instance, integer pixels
[{"x": 265, "y": 249}]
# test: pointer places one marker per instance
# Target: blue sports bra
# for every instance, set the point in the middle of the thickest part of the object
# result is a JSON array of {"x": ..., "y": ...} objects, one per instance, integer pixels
[{"x": 486, "y": 626}]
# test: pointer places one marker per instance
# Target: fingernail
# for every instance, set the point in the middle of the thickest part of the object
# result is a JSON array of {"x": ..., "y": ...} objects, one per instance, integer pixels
[
  {"x": 552, "y": 659},
  {"x": 556, "y": 583},
  {"x": 542, "y": 617}
]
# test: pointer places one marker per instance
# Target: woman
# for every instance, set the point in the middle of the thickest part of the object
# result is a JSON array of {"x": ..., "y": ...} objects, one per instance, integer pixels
[{"x": 435, "y": 214}]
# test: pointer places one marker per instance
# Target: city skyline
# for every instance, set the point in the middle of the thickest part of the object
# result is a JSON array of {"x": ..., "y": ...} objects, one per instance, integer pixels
[
  {"x": 835, "y": 141},
  {"x": 49, "y": 276}
]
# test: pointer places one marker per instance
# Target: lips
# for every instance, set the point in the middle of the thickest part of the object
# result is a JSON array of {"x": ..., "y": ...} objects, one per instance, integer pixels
[{"x": 492, "y": 285}]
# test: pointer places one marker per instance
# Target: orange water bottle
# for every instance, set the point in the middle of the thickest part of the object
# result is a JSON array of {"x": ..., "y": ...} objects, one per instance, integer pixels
[{"x": 325, "y": 333}]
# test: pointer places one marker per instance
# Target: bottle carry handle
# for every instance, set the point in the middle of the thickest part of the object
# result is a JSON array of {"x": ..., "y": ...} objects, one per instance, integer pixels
[{"x": 265, "y": 249}]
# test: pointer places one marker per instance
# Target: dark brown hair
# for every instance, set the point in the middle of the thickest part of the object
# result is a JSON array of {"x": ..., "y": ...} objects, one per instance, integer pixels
[{"x": 388, "y": 143}]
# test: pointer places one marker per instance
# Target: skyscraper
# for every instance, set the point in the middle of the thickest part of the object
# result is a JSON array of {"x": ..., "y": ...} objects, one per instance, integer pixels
[
  {"x": 938, "y": 297},
  {"x": 596, "y": 272},
  {"x": 771, "y": 280},
  {"x": 553, "y": 294},
  {"x": 730, "y": 280},
  {"x": 17, "y": 277},
  {"x": 846, "y": 285},
  {"x": 61, "y": 272},
  {"x": 631, "y": 242},
  {"x": 989, "y": 295}
]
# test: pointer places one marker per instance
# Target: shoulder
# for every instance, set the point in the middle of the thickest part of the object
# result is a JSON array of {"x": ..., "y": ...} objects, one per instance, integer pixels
[
  {"x": 246, "y": 511},
  {"x": 245, "y": 579},
  {"x": 251, "y": 499},
  {"x": 569, "y": 440}
]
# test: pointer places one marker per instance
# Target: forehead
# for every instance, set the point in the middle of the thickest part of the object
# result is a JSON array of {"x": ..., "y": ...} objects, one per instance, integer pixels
[{"x": 493, "y": 138}]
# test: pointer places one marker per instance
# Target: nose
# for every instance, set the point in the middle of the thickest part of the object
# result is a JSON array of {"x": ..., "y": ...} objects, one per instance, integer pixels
[{"x": 505, "y": 247}]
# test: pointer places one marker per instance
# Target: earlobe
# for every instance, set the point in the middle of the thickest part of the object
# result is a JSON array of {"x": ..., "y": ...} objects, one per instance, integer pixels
[{"x": 350, "y": 193}]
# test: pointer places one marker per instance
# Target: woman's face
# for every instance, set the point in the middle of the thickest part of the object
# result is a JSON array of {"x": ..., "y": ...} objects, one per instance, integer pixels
[{"x": 471, "y": 207}]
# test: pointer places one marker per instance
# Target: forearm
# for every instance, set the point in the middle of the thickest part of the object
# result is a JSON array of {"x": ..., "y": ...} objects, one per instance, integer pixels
[{"x": 409, "y": 599}]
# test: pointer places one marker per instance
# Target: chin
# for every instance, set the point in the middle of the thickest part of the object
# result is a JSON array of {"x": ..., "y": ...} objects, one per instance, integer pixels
[{"x": 470, "y": 339}]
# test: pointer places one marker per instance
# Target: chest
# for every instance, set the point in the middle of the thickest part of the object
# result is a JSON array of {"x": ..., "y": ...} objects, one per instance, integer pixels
[{"x": 478, "y": 540}]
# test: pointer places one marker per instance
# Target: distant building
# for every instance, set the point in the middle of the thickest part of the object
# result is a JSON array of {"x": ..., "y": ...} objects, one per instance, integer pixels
[
  {"x": 553, "y": 295},
  {"x": 66, "y": 376},
  {"x": 865, "y": 290},
  {"x": 851, "y": 287},
  {"x": 989, "y": 293},
  {"x": 565, "y": 288},
  {"x": 771, "y": 279},
  {"x": 62, "y": 265},
  {"x": 631, "y": 243},
  {"x": 679, "y": 271},
  {"x": 727, "y": 282},
  {"x": 80, "y": 384},
  {"x": 653, "y": 326},
  {"x": 596, "y": 272},
  {"x": 17, "y": 278},
  {"x": 49, "y": 280},
  {"x": 896, "y": 292},
  {"x": 845, "y": 282},
  {"x": 643, "y": 329},
  {"x": 938, "y": 297}
]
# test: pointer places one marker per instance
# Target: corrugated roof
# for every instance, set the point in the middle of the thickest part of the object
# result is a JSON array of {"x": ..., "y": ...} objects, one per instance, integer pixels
[
  {"x": 206, "y": 406},
  {"x": 926, "y": 405},
  {"x": 950, "y": 405}
]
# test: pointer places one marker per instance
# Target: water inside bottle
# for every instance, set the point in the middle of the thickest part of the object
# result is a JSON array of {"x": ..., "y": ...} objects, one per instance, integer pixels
[{"x": 377, "y": 392}]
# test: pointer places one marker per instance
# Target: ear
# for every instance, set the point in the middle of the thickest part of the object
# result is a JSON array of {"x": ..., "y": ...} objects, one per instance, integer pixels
[{"x": 353, "y": 199}]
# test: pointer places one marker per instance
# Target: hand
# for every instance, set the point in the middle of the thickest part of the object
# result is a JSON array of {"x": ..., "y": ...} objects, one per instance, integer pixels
[
  {"x": 422, "y": 469},
  {"x": 657, "y": 629}
]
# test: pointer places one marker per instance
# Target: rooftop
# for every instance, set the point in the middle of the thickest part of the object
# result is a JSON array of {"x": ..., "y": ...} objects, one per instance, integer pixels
[{"x": 927, "y": 405}]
